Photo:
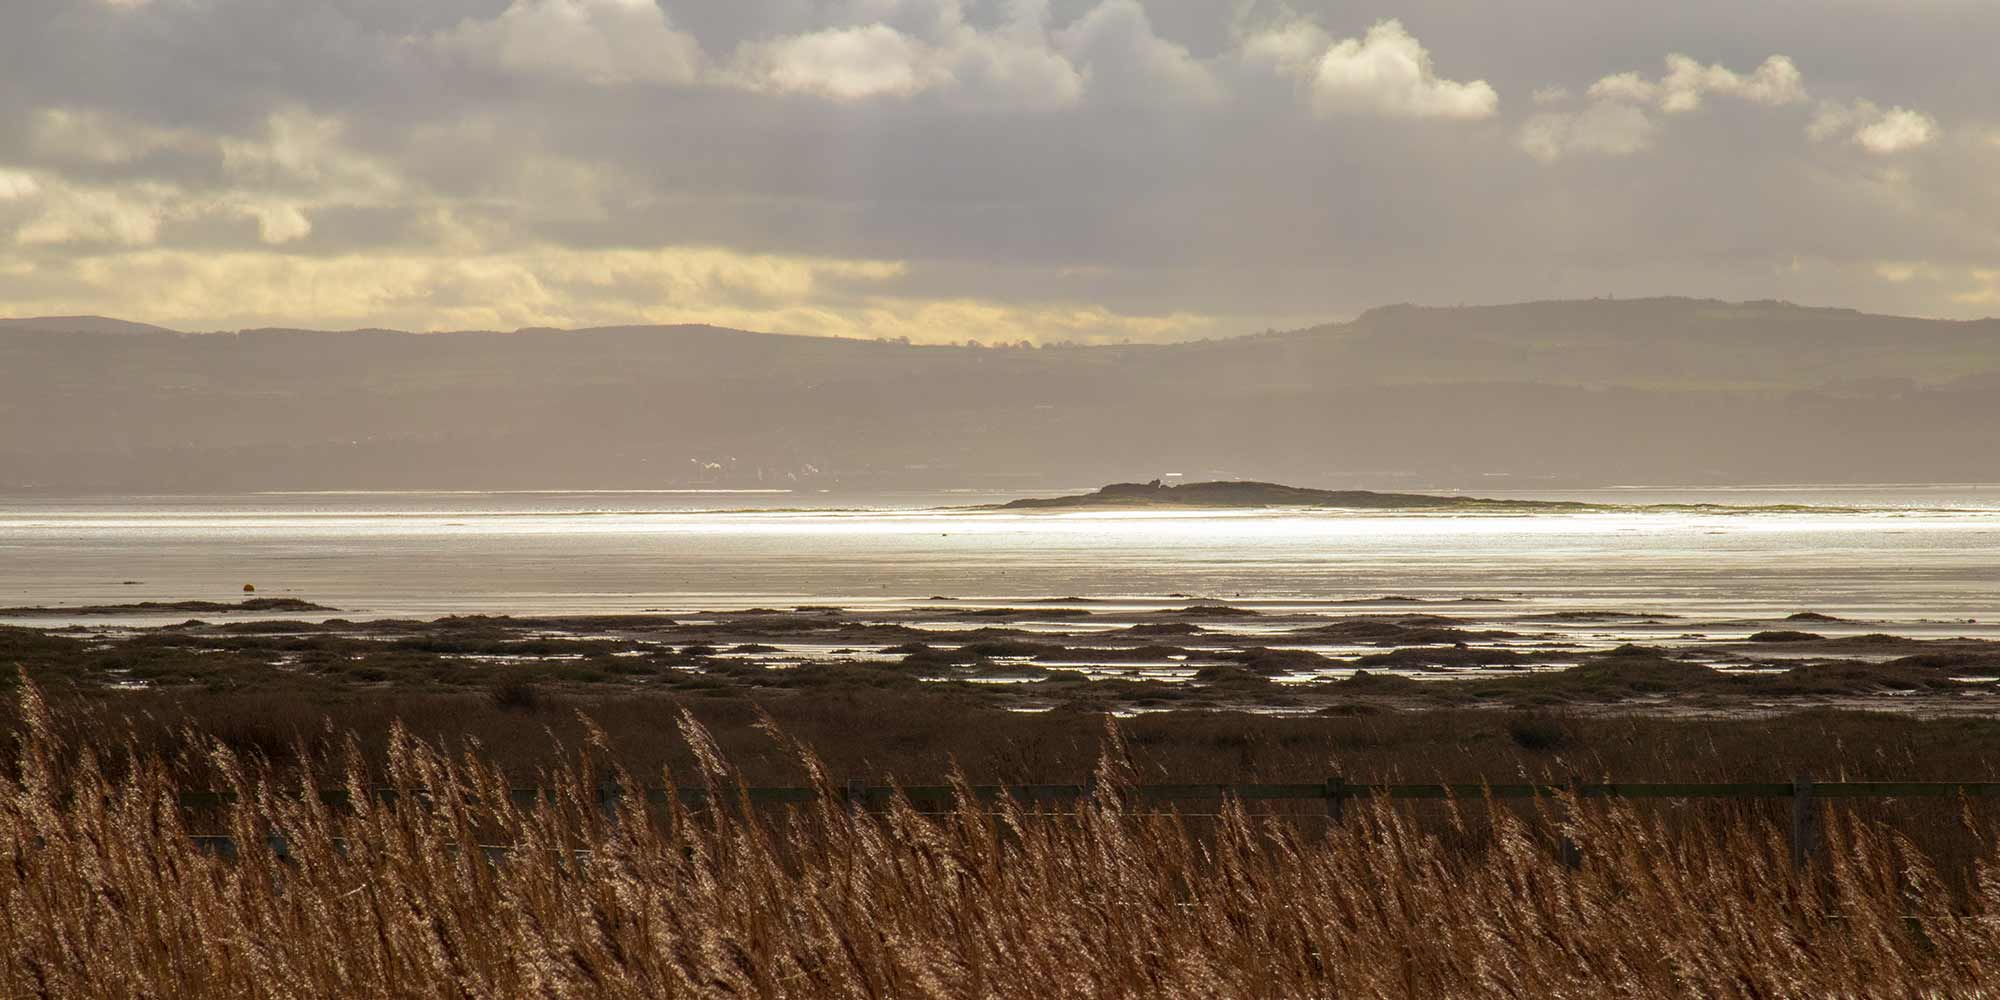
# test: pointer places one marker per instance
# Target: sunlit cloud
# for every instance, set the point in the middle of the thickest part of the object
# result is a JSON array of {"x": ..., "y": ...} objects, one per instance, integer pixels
[
  {"x": 1880, "y": 131},
  {"x": 1091, "y": 169},
  {"x": 1603, "y": 128},
  {"x": 16, "y": 185},
  {"x": 1125, "y": 61},
  {"x": 558, "y": 287},
  {"x": 592, "y": 41},
  {"x": 1986, "y": 291},
  {"x": 1617, "y": 118},
  {"x": 1387, "y": 73},
  {"x": 847, "y": 63}
]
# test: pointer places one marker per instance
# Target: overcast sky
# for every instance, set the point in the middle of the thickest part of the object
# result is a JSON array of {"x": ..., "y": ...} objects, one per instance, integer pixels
[{"x": 991, "y": 169}]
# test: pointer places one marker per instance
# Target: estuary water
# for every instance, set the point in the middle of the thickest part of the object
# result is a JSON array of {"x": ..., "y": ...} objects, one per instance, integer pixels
[{"x": 1890, "y": 553}]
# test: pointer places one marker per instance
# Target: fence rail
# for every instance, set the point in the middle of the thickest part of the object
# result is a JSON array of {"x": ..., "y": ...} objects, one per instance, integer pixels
[{"x": 1335, "y": 792}]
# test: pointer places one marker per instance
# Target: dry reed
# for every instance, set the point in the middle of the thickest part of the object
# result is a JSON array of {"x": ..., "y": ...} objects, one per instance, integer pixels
[{"x": 104, "y": 894}]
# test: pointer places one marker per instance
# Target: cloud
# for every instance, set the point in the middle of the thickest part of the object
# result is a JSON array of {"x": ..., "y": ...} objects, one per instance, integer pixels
[
  {"x": 274, "y": 177},
  {"x": 846, "y": 63},
  {"x": 1389, "y": 73},
  {"x": 955, "y": 320},
  {"x": 1604, "y": 128},
  {"x": 1031, "y": 159},
  {"x": 1616, "y": 124},
  {"x": 129, "y": 216},
  {"x": 1881, "y": 132},
  {"x": 590, "y": 41},
  {"x": 537, "y": 286},
  {"x": 1014, "y": 66},
  {"x": 1773, "y": 83},
  {"x": 18, "y": 185},
  {"x": 929, "y": 49},
  {"x": 1125, "y": 62},
  {"x": 1985, "y": 292},
  {"x": 90, "y": 136},
  {"x": 563, "y": 287}
]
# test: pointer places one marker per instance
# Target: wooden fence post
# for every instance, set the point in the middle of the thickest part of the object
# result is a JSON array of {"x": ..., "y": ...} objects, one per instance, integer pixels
[
  {"x": 1336, "y": 799},
  {"x": 1804, "y": 816}
]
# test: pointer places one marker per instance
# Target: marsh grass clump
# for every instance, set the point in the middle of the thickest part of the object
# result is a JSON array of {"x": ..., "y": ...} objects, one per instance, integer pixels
[{"x": 461, "y": 889}]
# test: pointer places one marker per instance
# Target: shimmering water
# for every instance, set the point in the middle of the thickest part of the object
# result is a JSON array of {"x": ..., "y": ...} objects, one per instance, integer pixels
[{"x": 1918, "y": 552}]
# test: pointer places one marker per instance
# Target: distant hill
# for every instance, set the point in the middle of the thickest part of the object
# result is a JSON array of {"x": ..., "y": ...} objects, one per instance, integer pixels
[
  {"x": 1404, "y": 398},
  {"x": 79, "y": 324}
]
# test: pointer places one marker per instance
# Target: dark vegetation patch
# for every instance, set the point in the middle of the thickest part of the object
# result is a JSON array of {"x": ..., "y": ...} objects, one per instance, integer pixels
[
  {"x": 1010, "y": 614},
  {"x": 1161, "y": 628},
  {"x": 1592, "y": 616},
  {"x": 1542, "y": 731},
  {"x": 1969, "y": 664},
  {"x": 1265, "y": 661},
  {"x": 1781, "y": 635},
  {"x": 1414, "y": 630},
  {"x": 1444, "y": 656}
]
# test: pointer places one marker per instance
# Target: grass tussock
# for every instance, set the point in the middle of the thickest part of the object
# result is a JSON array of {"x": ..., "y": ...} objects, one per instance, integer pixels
[{"x": 104, "y": 894}]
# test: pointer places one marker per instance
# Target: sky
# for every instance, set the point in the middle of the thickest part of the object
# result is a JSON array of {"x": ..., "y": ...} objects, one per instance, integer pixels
[{"x": 998, "y": 170}]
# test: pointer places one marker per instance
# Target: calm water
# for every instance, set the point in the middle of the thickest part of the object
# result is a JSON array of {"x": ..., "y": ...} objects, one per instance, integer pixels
[{"x": 1919, "y": 552}]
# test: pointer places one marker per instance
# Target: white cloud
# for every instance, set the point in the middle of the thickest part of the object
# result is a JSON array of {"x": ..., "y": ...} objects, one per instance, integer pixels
[
  {"x": 1604, "y": 128},
  {"x": 1879, "y": 131},
  {"x": 1123, "y": 61},
  {"x": 1687, "y": 82},
  {"x": 18, "y": 185},
  {"x": 1290, "y": 49},
  {"x": 129, "y": 216},
  {"x": 93, "y": 137},
  {"x": 1618, "y": 119},
  {"x": 916, "y": 47},
  {"x": 1898, "y": 129},
  {"x": 592, "y": 41},
  {"x": 1897, "y": 272},
  {"x": 1775, "y": 82},
  {"x": 279, "y": 222},
  {"x": 1387, "y": 73},
  {"x": 1985, "y": 292},
  {"x": 1628, "y": 86},
  {"x": 1390, "y": 73},
  {"x": 846, "y": 63},
  {"x": 274, "y": 177},
  {"x": 556, "y": 286},
  {"x": 1016, "y": 65}
]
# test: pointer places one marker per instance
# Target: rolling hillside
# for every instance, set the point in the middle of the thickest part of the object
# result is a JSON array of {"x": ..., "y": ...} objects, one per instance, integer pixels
[{"x": 1539, "y": 394}]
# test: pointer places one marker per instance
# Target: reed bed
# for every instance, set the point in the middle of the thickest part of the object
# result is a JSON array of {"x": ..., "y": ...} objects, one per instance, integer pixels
[{"x": 105, "y": 894}]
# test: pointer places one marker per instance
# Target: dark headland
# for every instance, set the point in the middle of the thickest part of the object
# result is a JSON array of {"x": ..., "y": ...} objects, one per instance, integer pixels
[{"x": 1255, "y": 494}]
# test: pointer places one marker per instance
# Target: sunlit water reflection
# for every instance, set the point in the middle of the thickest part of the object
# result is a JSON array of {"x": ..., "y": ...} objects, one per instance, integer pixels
[{"x": 1921, "y": 553}]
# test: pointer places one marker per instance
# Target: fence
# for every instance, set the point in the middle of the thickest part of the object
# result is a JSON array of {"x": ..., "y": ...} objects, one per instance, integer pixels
[{"x": 1803, "y": 791}]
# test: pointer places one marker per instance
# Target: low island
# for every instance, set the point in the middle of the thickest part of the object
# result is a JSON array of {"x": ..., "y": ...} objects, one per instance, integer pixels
[{"x": 1256, "y": 494}]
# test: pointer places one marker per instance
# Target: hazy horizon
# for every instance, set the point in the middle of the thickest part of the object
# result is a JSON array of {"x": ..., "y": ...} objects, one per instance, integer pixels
[{"x": 91, "y": 323}]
